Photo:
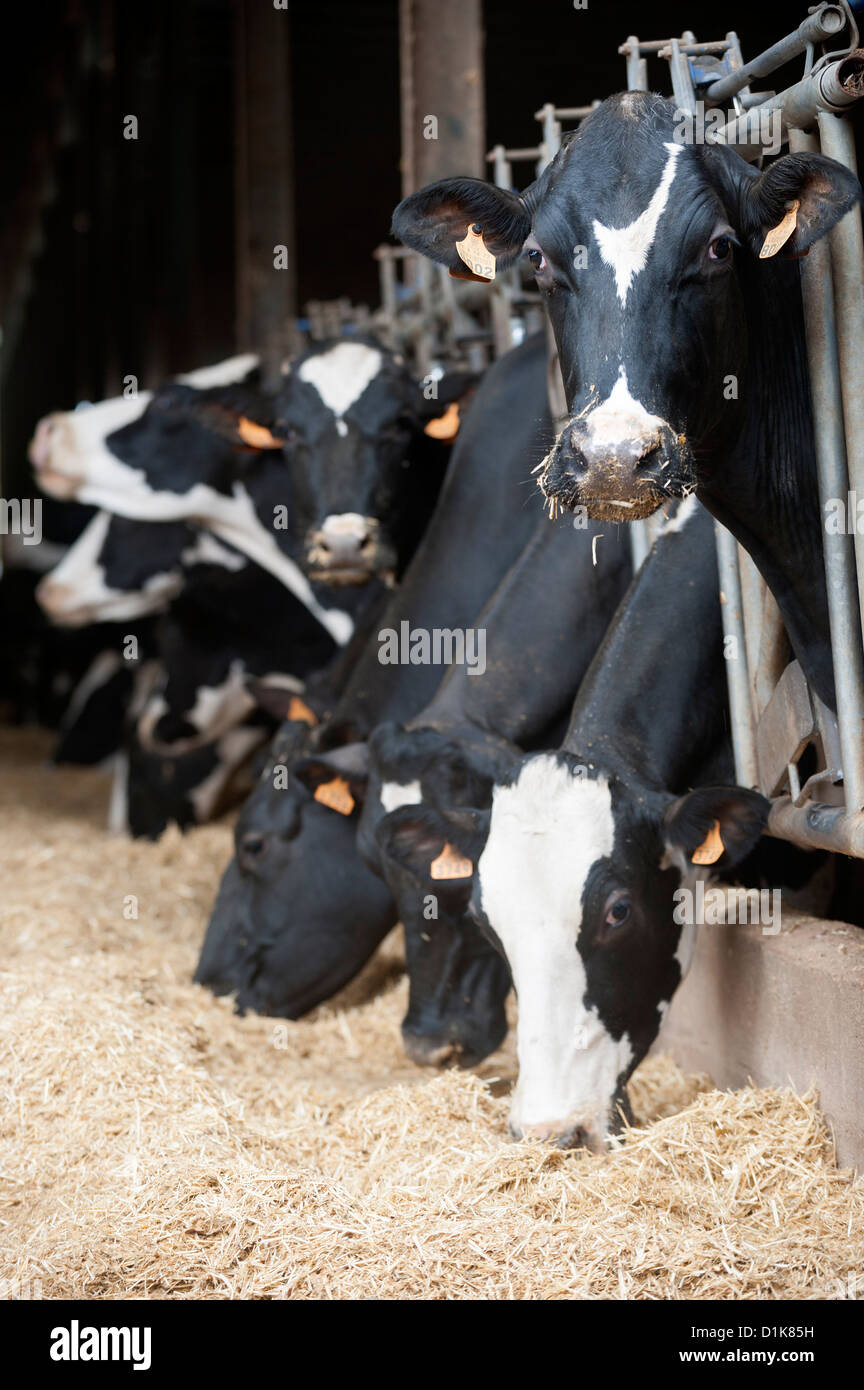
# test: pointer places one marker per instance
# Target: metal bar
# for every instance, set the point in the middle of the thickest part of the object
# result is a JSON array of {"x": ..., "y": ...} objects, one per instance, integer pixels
[
  {"x": 740, "y": 707},
  {"x": 847, "y": 263},
  {"x": 637, "y": 68},
  {"x": 817, "y": 826},
  {"x": 819, "y": 316},
  {"x": 827, "y": 22},
  {"x": 833, "y": 88}
]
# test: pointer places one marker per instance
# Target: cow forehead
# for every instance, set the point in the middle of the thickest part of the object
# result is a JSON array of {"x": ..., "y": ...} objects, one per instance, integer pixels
[
  {"x": 341, "y": 374},
  {"x": 547, "y": 830}
]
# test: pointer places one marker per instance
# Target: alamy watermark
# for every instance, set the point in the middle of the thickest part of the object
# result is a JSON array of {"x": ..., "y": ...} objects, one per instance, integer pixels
[
  {"x": 716, "y": 907},
  {"x": 437, "y": 646},
  {"x": 21, "y": 517}
]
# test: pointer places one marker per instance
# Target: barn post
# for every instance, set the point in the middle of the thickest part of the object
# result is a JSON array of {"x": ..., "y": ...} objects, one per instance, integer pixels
[
  {"x": 266, "y": 277},
  {"x": 442, "y": 90}
]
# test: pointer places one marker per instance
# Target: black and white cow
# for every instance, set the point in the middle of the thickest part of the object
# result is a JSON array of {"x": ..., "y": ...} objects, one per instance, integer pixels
[
  {"x": 348, "y": 444},
  {"x": 298, "y": 912},
  {"x": 682, "y": 351},
  {"x": 543, "y": 626},
  {"x": 584, "y": 848}
]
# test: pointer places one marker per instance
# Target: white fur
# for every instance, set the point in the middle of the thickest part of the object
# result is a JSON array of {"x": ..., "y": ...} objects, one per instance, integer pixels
[
  {"x": 620, "y": 417},
  {"x": 207, "y": 550},
  {"x": 396, "y": 794},
  {"x": 225, "y": 373},
  {"x": 626, "y": 249},
  {"x": 341, "y": 375},
  {"x": 685, "y": 512},
  {"x": 546, "y": 831},
  {"x": 75, "y": 592},
  {"x": 233, "y": 749}
]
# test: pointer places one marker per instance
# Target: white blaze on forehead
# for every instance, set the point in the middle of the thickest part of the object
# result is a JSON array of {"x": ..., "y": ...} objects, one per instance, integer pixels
[
  {"x": 341, "y": 375},
  {"x": 620, "y": 417},
  {"x": 226, "y": 373},
  {"x": 396, "y": 794},
  {"x": 546, "y": 832},
  {"x": 626, "y": 249}
]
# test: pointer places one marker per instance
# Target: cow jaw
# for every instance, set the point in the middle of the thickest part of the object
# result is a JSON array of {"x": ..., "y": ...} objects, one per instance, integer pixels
[{"x": 547, "y": 830}]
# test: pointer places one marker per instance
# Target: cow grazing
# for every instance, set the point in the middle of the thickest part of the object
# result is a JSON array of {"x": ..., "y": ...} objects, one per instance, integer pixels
[
  {"x": 282, "y": 934},
  {"x": 682, "y": 351},
  {"x": 543, "y": 626}
]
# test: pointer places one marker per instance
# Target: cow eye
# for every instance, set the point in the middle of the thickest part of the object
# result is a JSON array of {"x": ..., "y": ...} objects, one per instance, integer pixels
[
  {"x": 720, "y": 248},
  {"x": 538, "y": 261},
  {"x": 618, "y": 910}
]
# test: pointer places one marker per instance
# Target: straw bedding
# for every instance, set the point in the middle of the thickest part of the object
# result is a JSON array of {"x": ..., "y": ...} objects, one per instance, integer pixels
[{"x": 153, "y": 1145}]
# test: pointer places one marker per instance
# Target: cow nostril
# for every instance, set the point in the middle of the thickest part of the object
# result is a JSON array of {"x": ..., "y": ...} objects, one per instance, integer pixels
[{"x": 252, "y": 847}]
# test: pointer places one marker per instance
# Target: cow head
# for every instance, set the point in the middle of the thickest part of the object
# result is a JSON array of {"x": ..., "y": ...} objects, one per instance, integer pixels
[
  {"x": 299, "y": 913},
  {"x": 426, "y": 792},
  {"x": 364, "y": 479},
  {"x": 646, "y": 250},
  {"x": 575, "y": 885}
]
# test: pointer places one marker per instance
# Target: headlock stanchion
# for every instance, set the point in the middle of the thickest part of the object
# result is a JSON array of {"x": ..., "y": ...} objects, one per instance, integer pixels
[{"x": 775, "y": 716}]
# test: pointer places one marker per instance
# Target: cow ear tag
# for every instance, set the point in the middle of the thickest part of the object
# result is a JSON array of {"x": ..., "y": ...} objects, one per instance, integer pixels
[
  {"x": 711, "y": 847},
  {"x": 472, "y": 250},
  {"x": 450, "y": 864},
  {"x": 779, "y": 235},
  {"x": 299, "y": 710},
  {"x": 256, "y": 435},
  {"x": 446, "y": 426},
  {"x": 336, "y": 795}
]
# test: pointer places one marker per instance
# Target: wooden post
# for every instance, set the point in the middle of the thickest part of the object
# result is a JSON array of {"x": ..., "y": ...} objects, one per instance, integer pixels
[
  {"x": 441, "y": 61},
  {"x": 266, "y": 296}
]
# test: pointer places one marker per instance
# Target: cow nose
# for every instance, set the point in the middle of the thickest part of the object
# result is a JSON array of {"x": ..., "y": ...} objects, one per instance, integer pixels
[
  {"x": 563, "y": 1136},
  {"x": 39, "y": 450},
  {"x": 345, "y": 541},
  {"x": 428, "y": 1051},
  {"x": 595, "y": 449}
]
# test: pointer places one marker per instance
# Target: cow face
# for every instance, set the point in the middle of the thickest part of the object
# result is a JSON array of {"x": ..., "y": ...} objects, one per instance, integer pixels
[
  {"x": 299, "y": 914},
  {"x": 575, "y": 885},
  {"x": 351, "y": 417},
  {"x": 426, "y": 791},
  {"x": 458, "y": 982},
  {"x": 646, "y": 251}
]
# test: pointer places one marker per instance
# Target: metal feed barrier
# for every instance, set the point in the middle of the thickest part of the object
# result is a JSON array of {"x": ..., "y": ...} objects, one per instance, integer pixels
[{"x": 776, "y": 718}]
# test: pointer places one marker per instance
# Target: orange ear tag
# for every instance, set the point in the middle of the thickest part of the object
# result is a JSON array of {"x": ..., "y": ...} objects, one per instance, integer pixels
[
  {"x": 256, "y": 436},
  {"x": 446, "y": 426},
  {"x": 299, "y": 710},
  {"x": 472, "y": 250},
  {"x": 450, "y": 864},
  {"x": 711, "y": 847},
  {"x": 336, "y": 796},
  {"x": 779, "y": 235}
]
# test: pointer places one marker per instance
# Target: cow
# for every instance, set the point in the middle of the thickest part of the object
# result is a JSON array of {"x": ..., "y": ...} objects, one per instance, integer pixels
[
  {"x": 581, "y": 855},
  {"x": 298, "y": 912},
  {"x": 681, "y": 343},
  {"x": 346, "y": 442},
  {"x": 543, "y": 626}
]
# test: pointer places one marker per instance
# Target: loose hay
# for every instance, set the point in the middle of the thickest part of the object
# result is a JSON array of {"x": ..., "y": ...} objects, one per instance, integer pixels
[{"x": 153, "y": 1145}]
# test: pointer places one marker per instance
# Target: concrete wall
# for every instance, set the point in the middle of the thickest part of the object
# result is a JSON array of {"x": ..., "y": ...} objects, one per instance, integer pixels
[{"x": 779, "y": 1009}]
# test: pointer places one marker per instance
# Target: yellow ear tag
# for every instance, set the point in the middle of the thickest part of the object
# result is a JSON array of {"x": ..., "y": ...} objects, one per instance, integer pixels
[
  {"x": 711, "y": 847},
  {"x": 450, "y": 864},
  {"x": 779, "y": 235},
  {"x": 336, "y": 796},
  {"x": 299, "y": 710},
  {"x": 445, "y": 426},
  {"x": 472, "y": 250},
  {"x": 256, "y": 436}
]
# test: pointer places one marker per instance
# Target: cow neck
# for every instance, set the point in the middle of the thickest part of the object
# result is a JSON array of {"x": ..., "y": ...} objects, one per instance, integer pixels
[
  {"x": 765, "y": 488},
  {"x": 652, "y": 705}
]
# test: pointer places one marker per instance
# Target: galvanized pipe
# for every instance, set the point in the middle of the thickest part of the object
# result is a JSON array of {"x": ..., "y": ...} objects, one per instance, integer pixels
[
  {"x": 740, "y": 707},
  {"x": 828, "y": 21},
  {"x": 833, "y": 88},
  {"x": 840, "y": 576},
  {"x": 847, "y": 262},
  {"x": 817, "y": 826}
]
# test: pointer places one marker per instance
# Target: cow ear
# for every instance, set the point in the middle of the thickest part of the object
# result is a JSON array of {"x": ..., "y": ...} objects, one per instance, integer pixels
[
  {"x": 432, "y": 220},
  {"x": 716, "y": 826},
  {"x": 823, "y": 189},
  {"x": 431, "y": 843},
  {"x": 281, "y": 700},
  {"x": 338, "y": 778}
]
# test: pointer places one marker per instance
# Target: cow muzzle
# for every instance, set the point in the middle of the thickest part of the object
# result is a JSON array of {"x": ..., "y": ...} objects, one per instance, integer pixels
[
  {"x": 616, "y": 477},
  {"x": 568, "y": 1135},
  {"x": 47, "y": 451},
  {"x": 348, "y": 549}
]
